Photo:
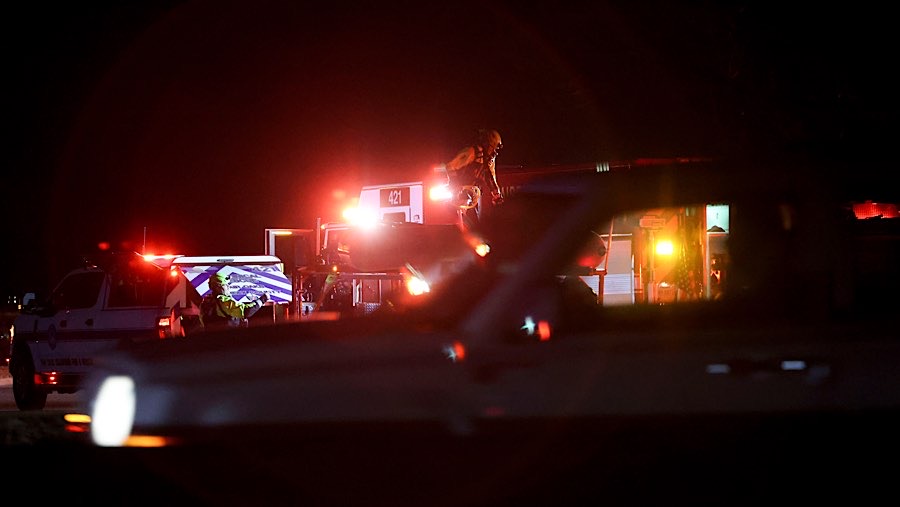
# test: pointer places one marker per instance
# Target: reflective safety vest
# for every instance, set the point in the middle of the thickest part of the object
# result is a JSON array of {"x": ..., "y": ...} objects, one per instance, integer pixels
[{"x": 211, "y": 315}]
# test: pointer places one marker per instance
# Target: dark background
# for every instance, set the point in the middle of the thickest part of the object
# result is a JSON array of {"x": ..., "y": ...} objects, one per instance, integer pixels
[{"x": 191, "y": 126}]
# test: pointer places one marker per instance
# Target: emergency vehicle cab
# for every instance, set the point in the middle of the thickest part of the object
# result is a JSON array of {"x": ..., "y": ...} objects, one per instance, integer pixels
[
  {"x": 114, "y": 300},
  {"x": 120, "y": 299}
]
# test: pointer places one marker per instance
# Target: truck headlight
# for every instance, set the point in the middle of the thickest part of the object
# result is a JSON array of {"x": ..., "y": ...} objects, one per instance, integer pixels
[
  {"x": 417, "y": 286},
  {"x": 113, "y": 411}
]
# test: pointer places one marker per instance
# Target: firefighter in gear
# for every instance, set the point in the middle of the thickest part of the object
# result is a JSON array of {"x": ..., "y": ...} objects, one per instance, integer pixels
[
  {"x": 220, "y": 310},
  {"x": 472, "y": 175}
]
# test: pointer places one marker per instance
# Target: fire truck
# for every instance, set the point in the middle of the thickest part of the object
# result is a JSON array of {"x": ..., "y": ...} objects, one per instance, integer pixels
[
  {"x": 341, "y": 269},
  {"x": 355, "y": 266}
]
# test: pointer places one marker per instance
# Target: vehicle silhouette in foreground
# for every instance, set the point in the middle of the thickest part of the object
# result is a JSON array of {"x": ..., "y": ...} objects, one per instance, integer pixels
[{"x": 753, "y": 359}]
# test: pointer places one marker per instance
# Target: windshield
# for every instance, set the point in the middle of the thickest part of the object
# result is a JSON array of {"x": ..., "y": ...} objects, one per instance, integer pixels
[
  {"x": 631, "y": 287},
  {"x": 521, "y": 223},
  {"x": 511, "y": 233},
  {"x": 138, "y": 283}
]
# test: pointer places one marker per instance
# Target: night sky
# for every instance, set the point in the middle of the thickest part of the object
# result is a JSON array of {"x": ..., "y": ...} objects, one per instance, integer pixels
[{"x": 203, "y": 123}]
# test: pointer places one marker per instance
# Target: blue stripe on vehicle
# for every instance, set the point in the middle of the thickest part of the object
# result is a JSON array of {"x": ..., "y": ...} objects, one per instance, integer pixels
[{"x": 248, "y": 281}]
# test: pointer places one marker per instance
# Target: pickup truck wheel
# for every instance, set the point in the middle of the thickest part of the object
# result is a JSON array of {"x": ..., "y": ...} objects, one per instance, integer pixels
[{"x": 28, "y": 396}]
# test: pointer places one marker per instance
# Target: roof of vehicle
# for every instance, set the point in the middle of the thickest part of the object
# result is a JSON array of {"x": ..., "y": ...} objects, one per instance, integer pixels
[
  {"x": 814, "y": 188},
  {"x": 185, "y": 260},
  {"x": 251, "y": 275},
  {"x": 651, "y": 183},
  {"x": 106, "y": 260}
]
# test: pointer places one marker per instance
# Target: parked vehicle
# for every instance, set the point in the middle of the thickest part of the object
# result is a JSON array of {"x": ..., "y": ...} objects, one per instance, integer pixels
[
  {"x": 115, "y": 299},
  {"x": 118, "y": 300},
  {"x": 364, "y": 267},
  {"x": 756, "y": 360},
  {"x": 250, "y": 277}
]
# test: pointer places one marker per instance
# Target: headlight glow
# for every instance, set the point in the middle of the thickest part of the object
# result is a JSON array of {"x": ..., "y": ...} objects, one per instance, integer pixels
[
  {"x": 417, "y": 286},
  {"x": 440, "y": 193},
  {"x": 113, "y": 411}
]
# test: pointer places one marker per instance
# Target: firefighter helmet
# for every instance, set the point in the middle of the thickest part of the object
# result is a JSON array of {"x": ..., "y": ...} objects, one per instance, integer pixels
[
  {"x": 490, "y": 139},
  {"x": 218, "y": 281}
]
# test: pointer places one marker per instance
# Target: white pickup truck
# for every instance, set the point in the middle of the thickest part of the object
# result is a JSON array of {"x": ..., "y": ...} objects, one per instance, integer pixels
[
  {"x": 117, "y": 300},
  {"x": 111, "y": 301}
]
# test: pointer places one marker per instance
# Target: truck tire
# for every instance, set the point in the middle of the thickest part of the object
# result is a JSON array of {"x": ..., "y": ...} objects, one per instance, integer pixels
[{"x": 28, "y": 395}]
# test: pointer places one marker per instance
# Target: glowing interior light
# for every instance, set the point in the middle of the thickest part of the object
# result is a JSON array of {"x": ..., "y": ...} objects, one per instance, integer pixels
[
  {"x": 482, "y": 249},
  {"x": 664, "y": 247},
  {"x": 113, "y": 412}
]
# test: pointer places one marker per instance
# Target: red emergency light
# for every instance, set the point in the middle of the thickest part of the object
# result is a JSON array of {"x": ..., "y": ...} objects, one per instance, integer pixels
[{"x": 871, "y": 209}]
